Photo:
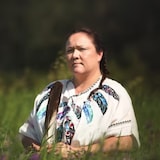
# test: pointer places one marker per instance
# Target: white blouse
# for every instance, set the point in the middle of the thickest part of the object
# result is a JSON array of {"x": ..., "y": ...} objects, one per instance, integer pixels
[{"x": 83, "y": 119}]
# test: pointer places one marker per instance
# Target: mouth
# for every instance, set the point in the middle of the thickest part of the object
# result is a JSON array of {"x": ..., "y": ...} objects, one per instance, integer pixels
[{"x": 76, "y": 64}]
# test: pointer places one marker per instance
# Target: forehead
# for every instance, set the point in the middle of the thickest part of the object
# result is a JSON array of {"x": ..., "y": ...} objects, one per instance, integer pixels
[{"x": 79, "y": 39}]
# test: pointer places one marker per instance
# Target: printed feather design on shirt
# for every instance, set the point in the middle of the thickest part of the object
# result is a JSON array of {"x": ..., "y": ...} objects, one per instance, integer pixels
[
  {"x": 88, "y": 111},
  {"x": 101, "y": 101},
  {"x": 110, "y": 91},
  {"x": 41, "y": 113}
]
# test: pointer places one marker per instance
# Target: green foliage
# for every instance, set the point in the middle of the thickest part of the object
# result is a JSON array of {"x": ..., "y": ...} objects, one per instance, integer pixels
[
  {"x": 59, "y": 67},
  {"x": 17, "y": 93}
]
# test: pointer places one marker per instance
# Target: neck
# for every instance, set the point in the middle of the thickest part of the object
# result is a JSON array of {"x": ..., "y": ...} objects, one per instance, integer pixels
[{"x": 84, "y": 82}]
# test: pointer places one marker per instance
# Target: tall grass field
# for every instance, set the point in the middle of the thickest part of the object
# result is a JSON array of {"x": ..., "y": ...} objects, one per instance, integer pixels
[{"x": 17, "y": 93}]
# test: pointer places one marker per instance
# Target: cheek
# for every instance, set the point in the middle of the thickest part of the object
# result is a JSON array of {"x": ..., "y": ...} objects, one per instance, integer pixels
[
  {"x": 95, "y": 57},
  {"x": 68, "y": 58}
]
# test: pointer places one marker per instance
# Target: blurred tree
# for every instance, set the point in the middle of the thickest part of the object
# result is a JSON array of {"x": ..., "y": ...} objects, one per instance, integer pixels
[{"x": 33, "y": 32}]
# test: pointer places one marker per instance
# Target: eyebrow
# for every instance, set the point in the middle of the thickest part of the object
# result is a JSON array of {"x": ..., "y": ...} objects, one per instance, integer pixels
[{"x": 77, "y": 46}]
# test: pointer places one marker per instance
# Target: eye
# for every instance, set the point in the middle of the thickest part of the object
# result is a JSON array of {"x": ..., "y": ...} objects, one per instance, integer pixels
[
  {"x": 69, "y": 50},
  {"x": 81, "y": 49}
]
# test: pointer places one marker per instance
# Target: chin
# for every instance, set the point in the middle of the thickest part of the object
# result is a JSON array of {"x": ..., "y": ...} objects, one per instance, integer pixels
[{"x": 77, "y": 72}]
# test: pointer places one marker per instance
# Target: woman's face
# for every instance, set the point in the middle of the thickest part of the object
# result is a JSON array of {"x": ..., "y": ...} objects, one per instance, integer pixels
[{"x": 81, "y": 54}]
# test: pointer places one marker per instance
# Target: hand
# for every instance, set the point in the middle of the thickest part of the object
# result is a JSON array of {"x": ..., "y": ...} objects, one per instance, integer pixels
[
  {"x": 74, "y": 151},
  {"x": 63, "y": 149},
  {"x": 36, "y": 147}
]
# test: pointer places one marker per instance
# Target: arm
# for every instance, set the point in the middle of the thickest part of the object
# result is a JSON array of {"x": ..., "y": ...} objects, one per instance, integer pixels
[
  {"x": 124, "y": 143},
  {"x": 111, "y": 144}
]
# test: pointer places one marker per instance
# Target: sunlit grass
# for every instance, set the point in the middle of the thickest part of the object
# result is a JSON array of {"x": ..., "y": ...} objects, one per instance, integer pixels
[{"x": 17, "y": 93}]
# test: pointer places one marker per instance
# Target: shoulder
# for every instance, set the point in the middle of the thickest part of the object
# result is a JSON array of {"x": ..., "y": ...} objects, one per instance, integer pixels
[
  {"x": 113, "y": 84},
  {"x": 44, "y": 94},
  {"x": 50, "y": 85},
  {"x": 116, "y": 87}
]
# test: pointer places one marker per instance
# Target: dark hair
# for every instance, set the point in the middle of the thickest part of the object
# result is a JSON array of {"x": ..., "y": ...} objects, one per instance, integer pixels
[{"x": 97, "y": 41}]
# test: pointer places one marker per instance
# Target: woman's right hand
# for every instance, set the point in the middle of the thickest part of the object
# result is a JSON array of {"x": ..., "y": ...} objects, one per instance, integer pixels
[{"x": 36, "y": 147}]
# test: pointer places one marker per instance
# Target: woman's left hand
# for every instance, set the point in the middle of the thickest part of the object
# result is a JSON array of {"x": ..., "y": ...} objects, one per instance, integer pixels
[
  {"x": 68, "y": 151},
  {"x": 63, "y": 149}
]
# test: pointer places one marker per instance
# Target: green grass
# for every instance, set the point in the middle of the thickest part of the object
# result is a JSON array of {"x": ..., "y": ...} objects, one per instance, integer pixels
[{"x": 17, "y": 93}]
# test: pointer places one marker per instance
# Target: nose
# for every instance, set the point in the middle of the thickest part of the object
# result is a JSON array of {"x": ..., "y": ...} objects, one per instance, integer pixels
[{"x": 75, "y": 54}]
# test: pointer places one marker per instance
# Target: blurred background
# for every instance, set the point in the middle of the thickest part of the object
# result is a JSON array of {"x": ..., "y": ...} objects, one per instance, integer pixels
[
  {"x": 32, "y": 39},
  {"x": 32, "y": 33}
]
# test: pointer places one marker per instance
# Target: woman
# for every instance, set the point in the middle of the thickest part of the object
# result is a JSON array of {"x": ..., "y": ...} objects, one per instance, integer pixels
[{"x": 91, "y": 106}]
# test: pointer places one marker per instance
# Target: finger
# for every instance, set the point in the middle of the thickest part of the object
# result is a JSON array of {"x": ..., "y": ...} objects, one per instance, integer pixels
[{"x": 36, "y": 147}]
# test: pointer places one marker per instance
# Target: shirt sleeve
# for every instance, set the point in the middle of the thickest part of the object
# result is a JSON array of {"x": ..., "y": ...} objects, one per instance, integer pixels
[
  {"x": 123, "y": 122},
  {"x": 34, "y": 126},
  {"x": 30, "y": 128}
]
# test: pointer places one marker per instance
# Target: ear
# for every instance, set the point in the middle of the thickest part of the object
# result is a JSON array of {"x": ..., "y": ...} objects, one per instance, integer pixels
[{"x": 100, "y": 55}]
